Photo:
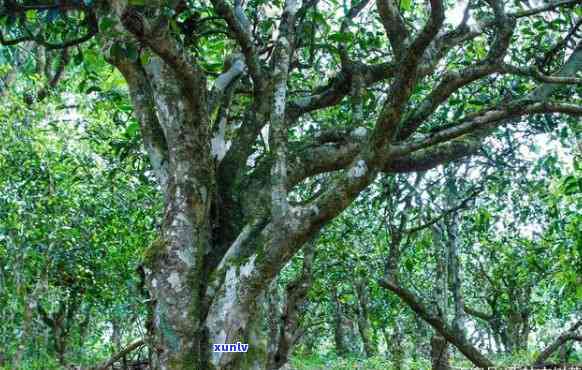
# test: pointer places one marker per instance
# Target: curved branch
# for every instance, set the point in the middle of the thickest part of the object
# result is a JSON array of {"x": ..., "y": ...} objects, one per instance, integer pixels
[
  {"x": 124, "y": 352},
  {"x": 239, "y": 25},
  {"x": 563, "y": 338},
  {"x": 438, "y": 324}
]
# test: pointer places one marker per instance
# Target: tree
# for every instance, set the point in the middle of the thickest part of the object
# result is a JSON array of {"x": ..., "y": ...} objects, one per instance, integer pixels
[{"x": 228, "y": 158}]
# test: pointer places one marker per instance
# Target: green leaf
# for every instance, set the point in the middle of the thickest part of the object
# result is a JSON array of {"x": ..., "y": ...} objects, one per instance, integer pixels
[
  {"x": 341, "y": 37},
  {"x": 105, "y": 24}
]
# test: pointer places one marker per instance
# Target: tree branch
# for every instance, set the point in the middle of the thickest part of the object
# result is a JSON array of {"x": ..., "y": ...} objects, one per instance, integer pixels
[
  {"x": 124, "y": 352},
  {"x": 388, "y": 122},
  {"x": 393, "y": 25},
  {"x": 222, "y": 82},
  {"x": 157, "y": 38},
  {"x": 443, "y": 214},
  {"x": 563, "y": 338},
  {"x": 142, "y": 98},
  {"x": 438, "y": 324},
  {"x": 239, "y": 26},
  {"x": 13, "y": 8}
]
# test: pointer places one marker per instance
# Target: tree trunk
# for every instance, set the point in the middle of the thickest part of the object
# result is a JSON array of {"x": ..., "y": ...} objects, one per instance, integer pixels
[
  {"x": 454, "y": 263},
  {"x": 395, "y": 346},
  {"x": 364, "y": 325},
  {"x": 439, "y": 347},
  {"x": 207, "y": 273},
  {"x": 285, "y": 316},
  {"x": 344, "y": 333},
  {"x": 439, "y": 353},
  {"x": 29, "y": 307}
]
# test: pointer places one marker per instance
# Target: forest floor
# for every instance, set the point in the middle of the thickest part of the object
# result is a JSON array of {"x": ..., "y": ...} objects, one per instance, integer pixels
[{"x": 333, "y": 362}]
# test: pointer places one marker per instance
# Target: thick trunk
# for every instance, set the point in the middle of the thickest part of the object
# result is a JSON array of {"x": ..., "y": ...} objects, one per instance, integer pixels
[
  {"x": 517, "y": 332},
  {"x": 395, "y": 347},
  {"x": 223, "y": 237},
  {"x": 29, "y": 307},
  {"x": 344, "y": 333},
  {"x": 364, "y": 325},
  {"x": 173, "y": 263},
  {"x": 439, "y": 353}
]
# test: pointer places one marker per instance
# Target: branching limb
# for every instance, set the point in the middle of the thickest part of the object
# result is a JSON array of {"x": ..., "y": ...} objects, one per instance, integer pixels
[
  {"x": 278, "y": 130},
  {"x": 352, "y": 14},
  {"x": 124, "y": 352},
  {"x": 479, "y": 314},
  {"x": 56, "y": 77},
  {"x": 535, "y": 73},
  {"x": 444, "y": 214},
  {"x": 393, "y": 25},
  {"x": 338, "y": 88},
  {"x": 451, "y": 82},
  {"x": 482, "y": 121},
  {"x": 158, "y": 39},
  {"x": 240, "y": 27},
  {"x": 388, "y": 122},
  {"x": 13, "y": 8},
  {"x": 569, "y": 69},
  {"x": 142, "y": 97},
  {"x": 545, "y": 8}
]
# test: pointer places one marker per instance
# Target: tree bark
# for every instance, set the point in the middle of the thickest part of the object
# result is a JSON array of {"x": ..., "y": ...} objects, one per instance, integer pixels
[
  {"x": 439, "y": 353},
  {"x": 364, "y": 325},
  {"x": 344, "y": 330}
]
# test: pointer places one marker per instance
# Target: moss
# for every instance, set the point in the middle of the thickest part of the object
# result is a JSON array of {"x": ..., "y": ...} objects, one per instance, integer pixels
[{"x": 152, "y": 253}]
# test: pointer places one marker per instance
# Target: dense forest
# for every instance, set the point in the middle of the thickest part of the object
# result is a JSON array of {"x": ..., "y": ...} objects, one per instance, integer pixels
[{"x": 290, "y": 184}]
